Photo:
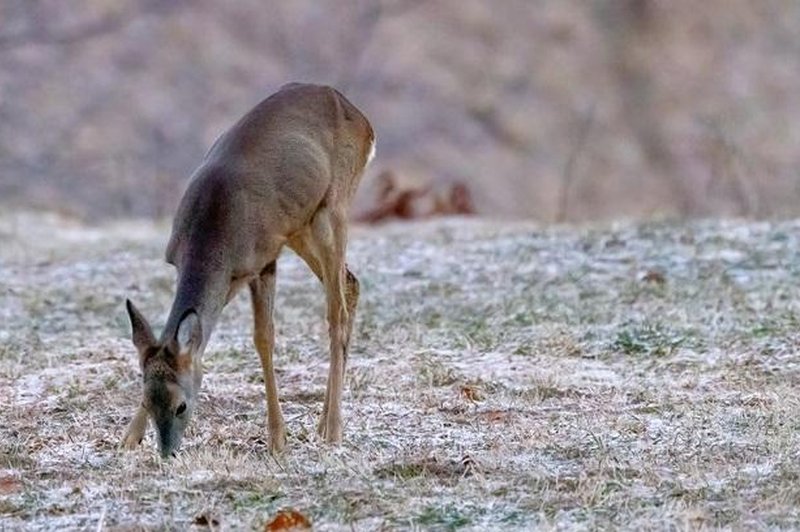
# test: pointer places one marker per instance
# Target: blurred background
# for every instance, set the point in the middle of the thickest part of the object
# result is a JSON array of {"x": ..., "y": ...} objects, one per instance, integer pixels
[{"x": 555, "y": 110}]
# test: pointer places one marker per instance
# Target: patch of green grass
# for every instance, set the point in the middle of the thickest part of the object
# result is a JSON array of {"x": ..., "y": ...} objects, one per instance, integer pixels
[
  {"x": 775, "y": 325},
  {"x": 360, "y": 381},
  {"x": 17, "y": 353},
  {"x": 446, "y": 470},
  {"x": 432, "y": 372},
  {"x": 522, "y": 318},
  {"x": 21, "y": 506},
  {"x": 347, "y": 506},
  {"x": 253, "y": 500},
  {"x": 111, "y": 382},
  {"x": 649, "y": 339},
  {"x": 447, "y": 517},
  {"x": 13, "y": 455},
  {"x": 544, "y": 389},
  {"x": 477, "y": 332},
  {"x": 402, "y": 471}
]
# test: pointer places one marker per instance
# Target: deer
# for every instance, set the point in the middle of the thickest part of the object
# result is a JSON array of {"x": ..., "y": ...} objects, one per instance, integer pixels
[{"x": 284, "y": 175}]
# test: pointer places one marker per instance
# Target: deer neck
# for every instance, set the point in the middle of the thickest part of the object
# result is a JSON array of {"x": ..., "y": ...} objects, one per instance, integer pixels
[{"x": 203, "y": 289}]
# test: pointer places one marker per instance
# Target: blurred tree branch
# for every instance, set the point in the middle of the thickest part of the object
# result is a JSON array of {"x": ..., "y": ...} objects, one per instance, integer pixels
[
  {"x": 585, "y": 126},
  {"x": 731, "y": 166},
  {"x": 488, "y": 117},
  {"x": 368, "y": 16},
  {"x": 632, "y": 26}
]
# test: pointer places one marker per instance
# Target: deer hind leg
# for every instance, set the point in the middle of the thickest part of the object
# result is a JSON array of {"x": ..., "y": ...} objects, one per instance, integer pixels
[
  {"x": 262, "y": 292},
  {"x": 352, "y": 291},
  {"x": 136, "y": 429},
  {"x": 323, "y": 248},
  {"x": 301, "y": 245}
]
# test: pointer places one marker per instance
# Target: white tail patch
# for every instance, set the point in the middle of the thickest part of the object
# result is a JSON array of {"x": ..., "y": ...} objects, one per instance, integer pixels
[{"x": 371, "y": 151}]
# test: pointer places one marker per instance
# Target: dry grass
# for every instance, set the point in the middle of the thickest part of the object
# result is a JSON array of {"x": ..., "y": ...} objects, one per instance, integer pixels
[{"x": 503, "y": 376}]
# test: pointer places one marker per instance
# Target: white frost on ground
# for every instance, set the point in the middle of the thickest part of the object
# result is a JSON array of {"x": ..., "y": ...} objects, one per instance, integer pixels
[{"x": 503, "y": 375}]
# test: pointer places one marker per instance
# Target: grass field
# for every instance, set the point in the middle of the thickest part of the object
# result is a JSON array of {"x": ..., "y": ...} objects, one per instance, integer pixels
[{"x": 503, "y": 376}]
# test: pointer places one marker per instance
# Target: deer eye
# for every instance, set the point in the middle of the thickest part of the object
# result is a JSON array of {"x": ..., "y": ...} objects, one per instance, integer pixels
[{"x": 181, "y": 409}]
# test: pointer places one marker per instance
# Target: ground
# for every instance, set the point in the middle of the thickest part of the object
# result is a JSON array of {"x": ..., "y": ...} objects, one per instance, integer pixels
[{"x": 503, "y": 376}]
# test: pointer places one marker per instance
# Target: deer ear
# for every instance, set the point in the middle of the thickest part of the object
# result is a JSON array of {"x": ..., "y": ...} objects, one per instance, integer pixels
[
  {"x": 189, "y": 334},
  {"x": 142, "y": 335}
]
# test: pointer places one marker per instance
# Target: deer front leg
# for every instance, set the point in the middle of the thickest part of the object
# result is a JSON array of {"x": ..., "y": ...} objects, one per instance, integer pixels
[
  {"x": 262, "y": 291},
  {"x": 135, "y": 433}
]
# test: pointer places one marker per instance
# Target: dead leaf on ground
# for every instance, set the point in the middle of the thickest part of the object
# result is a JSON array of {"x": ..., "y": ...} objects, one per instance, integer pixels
[
  {"x": 9, "y": 483},
  {"x": 655, "y": 277},
  {"x": 494, "y": 416},
  {"x": 471, "y": 393},
  {"x": 287, "y": 520}
]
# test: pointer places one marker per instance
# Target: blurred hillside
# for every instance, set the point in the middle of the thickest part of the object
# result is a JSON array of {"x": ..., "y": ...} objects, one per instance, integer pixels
[{"x": 550, "y": 109}]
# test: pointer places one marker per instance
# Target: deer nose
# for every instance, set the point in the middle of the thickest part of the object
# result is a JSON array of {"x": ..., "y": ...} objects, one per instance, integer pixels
[
  {"x": 168, "y": 450},
  {"x": 166, "y": 440}
]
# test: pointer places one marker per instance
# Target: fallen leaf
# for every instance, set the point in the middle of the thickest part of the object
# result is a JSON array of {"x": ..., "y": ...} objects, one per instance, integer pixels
[
  {"x": 471, "y": 393},
  {"x": 654, "y": 276},
  {"x": 494, "y": 416},
  {"x": 9, "y": 484},
  {"x": 286, "y": 520}
]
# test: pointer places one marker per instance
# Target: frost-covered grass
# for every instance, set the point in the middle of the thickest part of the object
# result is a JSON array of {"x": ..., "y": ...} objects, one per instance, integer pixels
[{"x": 503, "y": 376}]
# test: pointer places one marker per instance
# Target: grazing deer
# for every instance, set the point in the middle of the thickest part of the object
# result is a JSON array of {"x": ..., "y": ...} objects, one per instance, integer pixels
[{"x": 285, "y": 174}]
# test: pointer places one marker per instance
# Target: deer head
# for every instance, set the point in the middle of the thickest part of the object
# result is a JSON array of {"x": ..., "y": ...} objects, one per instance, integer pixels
[{"x": 171, "y": 378}]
